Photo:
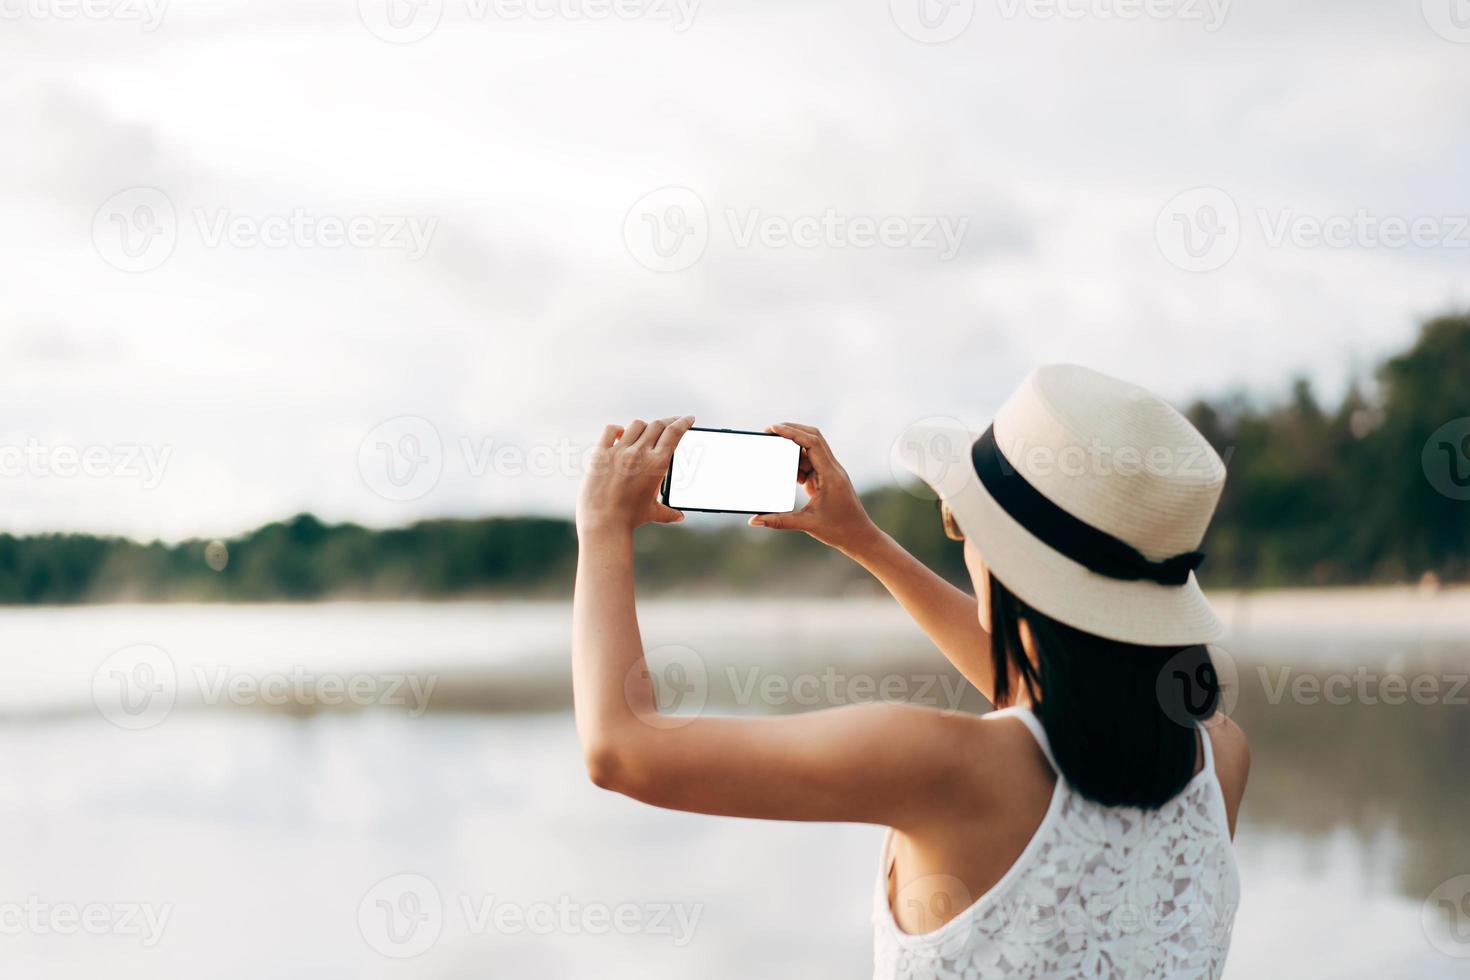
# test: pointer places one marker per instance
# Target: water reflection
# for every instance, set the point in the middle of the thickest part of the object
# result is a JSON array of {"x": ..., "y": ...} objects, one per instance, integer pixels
[
  {"x": 270, "y": 822},
  {"x": 1380, "y": 769}
]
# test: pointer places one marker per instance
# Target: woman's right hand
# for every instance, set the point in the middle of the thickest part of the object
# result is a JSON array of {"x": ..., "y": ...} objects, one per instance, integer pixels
[{"x": 834, "y": 515}]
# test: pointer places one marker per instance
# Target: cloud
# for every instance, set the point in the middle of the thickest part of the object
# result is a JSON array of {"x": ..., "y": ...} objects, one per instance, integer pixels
[{"x": 529, "y": 321}]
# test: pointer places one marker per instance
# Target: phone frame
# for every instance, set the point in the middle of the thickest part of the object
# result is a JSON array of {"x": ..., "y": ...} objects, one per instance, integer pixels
[{"x": 669, "y": 476}]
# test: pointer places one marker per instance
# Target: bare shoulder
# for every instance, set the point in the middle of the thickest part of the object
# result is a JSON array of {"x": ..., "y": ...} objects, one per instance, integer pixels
[
  {"x": 974, "y": 760},
  {"x": 998, "y": 761},
  {"x": 1232, "y": 748},
  {"x": 1232, "y": 761}
]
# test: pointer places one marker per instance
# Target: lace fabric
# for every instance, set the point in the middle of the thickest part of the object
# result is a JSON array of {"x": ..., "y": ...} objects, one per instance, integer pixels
[{"x": 1099, "y": 892}]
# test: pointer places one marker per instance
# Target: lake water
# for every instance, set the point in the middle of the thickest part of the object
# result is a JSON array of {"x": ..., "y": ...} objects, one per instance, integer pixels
[{"x": 278, "y": 791}]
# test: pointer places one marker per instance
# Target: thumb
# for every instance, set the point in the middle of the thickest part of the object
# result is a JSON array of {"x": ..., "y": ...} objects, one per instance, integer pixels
[
  {"x": 794, "y": 521},
  {"x": 664, "y": 514}
]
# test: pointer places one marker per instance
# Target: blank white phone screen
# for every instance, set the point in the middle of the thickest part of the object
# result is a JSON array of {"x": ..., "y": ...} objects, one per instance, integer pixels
[{"x": 734, "y": 471}]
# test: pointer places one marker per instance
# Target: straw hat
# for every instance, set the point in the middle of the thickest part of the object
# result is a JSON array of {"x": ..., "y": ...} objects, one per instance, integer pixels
[{"x": 1088, "y": 498}]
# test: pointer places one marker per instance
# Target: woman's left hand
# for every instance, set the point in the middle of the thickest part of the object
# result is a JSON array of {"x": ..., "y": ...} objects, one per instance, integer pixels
[
  {"x": 834, "y": 514},
  {"x": 620, "y": 491}
]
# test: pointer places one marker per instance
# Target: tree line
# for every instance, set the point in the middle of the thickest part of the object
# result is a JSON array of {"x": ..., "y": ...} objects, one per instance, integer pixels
[{"x": 1372, "y": 489}]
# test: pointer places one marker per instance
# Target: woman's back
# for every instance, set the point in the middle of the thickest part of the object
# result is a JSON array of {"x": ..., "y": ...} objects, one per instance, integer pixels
[
  {"x": 1085, "y": 608},
  {"x": 1097, "y": 891}
]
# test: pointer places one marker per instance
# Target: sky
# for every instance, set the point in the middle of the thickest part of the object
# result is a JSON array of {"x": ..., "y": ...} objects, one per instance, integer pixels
[{"x": 391, "y": 259}]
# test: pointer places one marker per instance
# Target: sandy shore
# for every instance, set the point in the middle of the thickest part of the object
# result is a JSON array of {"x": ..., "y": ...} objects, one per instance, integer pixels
[{"x": 1427, "y": 611}]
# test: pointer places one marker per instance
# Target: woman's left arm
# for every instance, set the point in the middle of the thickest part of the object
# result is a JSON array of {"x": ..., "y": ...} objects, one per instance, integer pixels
[{"x": 879, "y": 763}]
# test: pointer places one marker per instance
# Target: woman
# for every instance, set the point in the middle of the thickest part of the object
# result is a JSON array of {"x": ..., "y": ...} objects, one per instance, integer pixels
[{"x": 1083, "y": 830}]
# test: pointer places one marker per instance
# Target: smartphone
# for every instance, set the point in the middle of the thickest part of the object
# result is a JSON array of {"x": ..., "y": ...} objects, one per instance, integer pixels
[{"x": 729, "y": 471}]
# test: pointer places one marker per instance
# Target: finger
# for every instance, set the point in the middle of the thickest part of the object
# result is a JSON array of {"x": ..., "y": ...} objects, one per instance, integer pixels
[
  {"x": 664, "y": 514},
  {"x": 796, "y": 434},
  {"x": 826, "y": 447},
  {"x": 813, "y": 430},
  {"x": 631, "y": 433},
  {"x": 794, "y": 521},
  {"x": 609, "y": 436},
  {"x": 803, "y": 459},
  {"x": 810, "y": 440},
  {"x": 673, "y": 433},
  {"x": 648, "y": 438}
]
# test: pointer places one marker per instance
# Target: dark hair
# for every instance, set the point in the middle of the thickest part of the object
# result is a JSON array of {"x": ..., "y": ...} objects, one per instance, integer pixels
[{"x": 1120, "y": 716}]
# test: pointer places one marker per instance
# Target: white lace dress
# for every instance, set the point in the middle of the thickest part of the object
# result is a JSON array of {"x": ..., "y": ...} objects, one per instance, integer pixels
[{"x": 1099, "y": 892}]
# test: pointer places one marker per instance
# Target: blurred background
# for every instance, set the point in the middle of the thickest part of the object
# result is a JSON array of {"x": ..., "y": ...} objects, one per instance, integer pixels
[{"x": 313, "y": 310}]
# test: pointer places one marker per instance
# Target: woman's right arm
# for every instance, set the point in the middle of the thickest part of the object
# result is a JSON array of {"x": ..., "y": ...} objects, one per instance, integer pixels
[{"x": 835, "y": 516}]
